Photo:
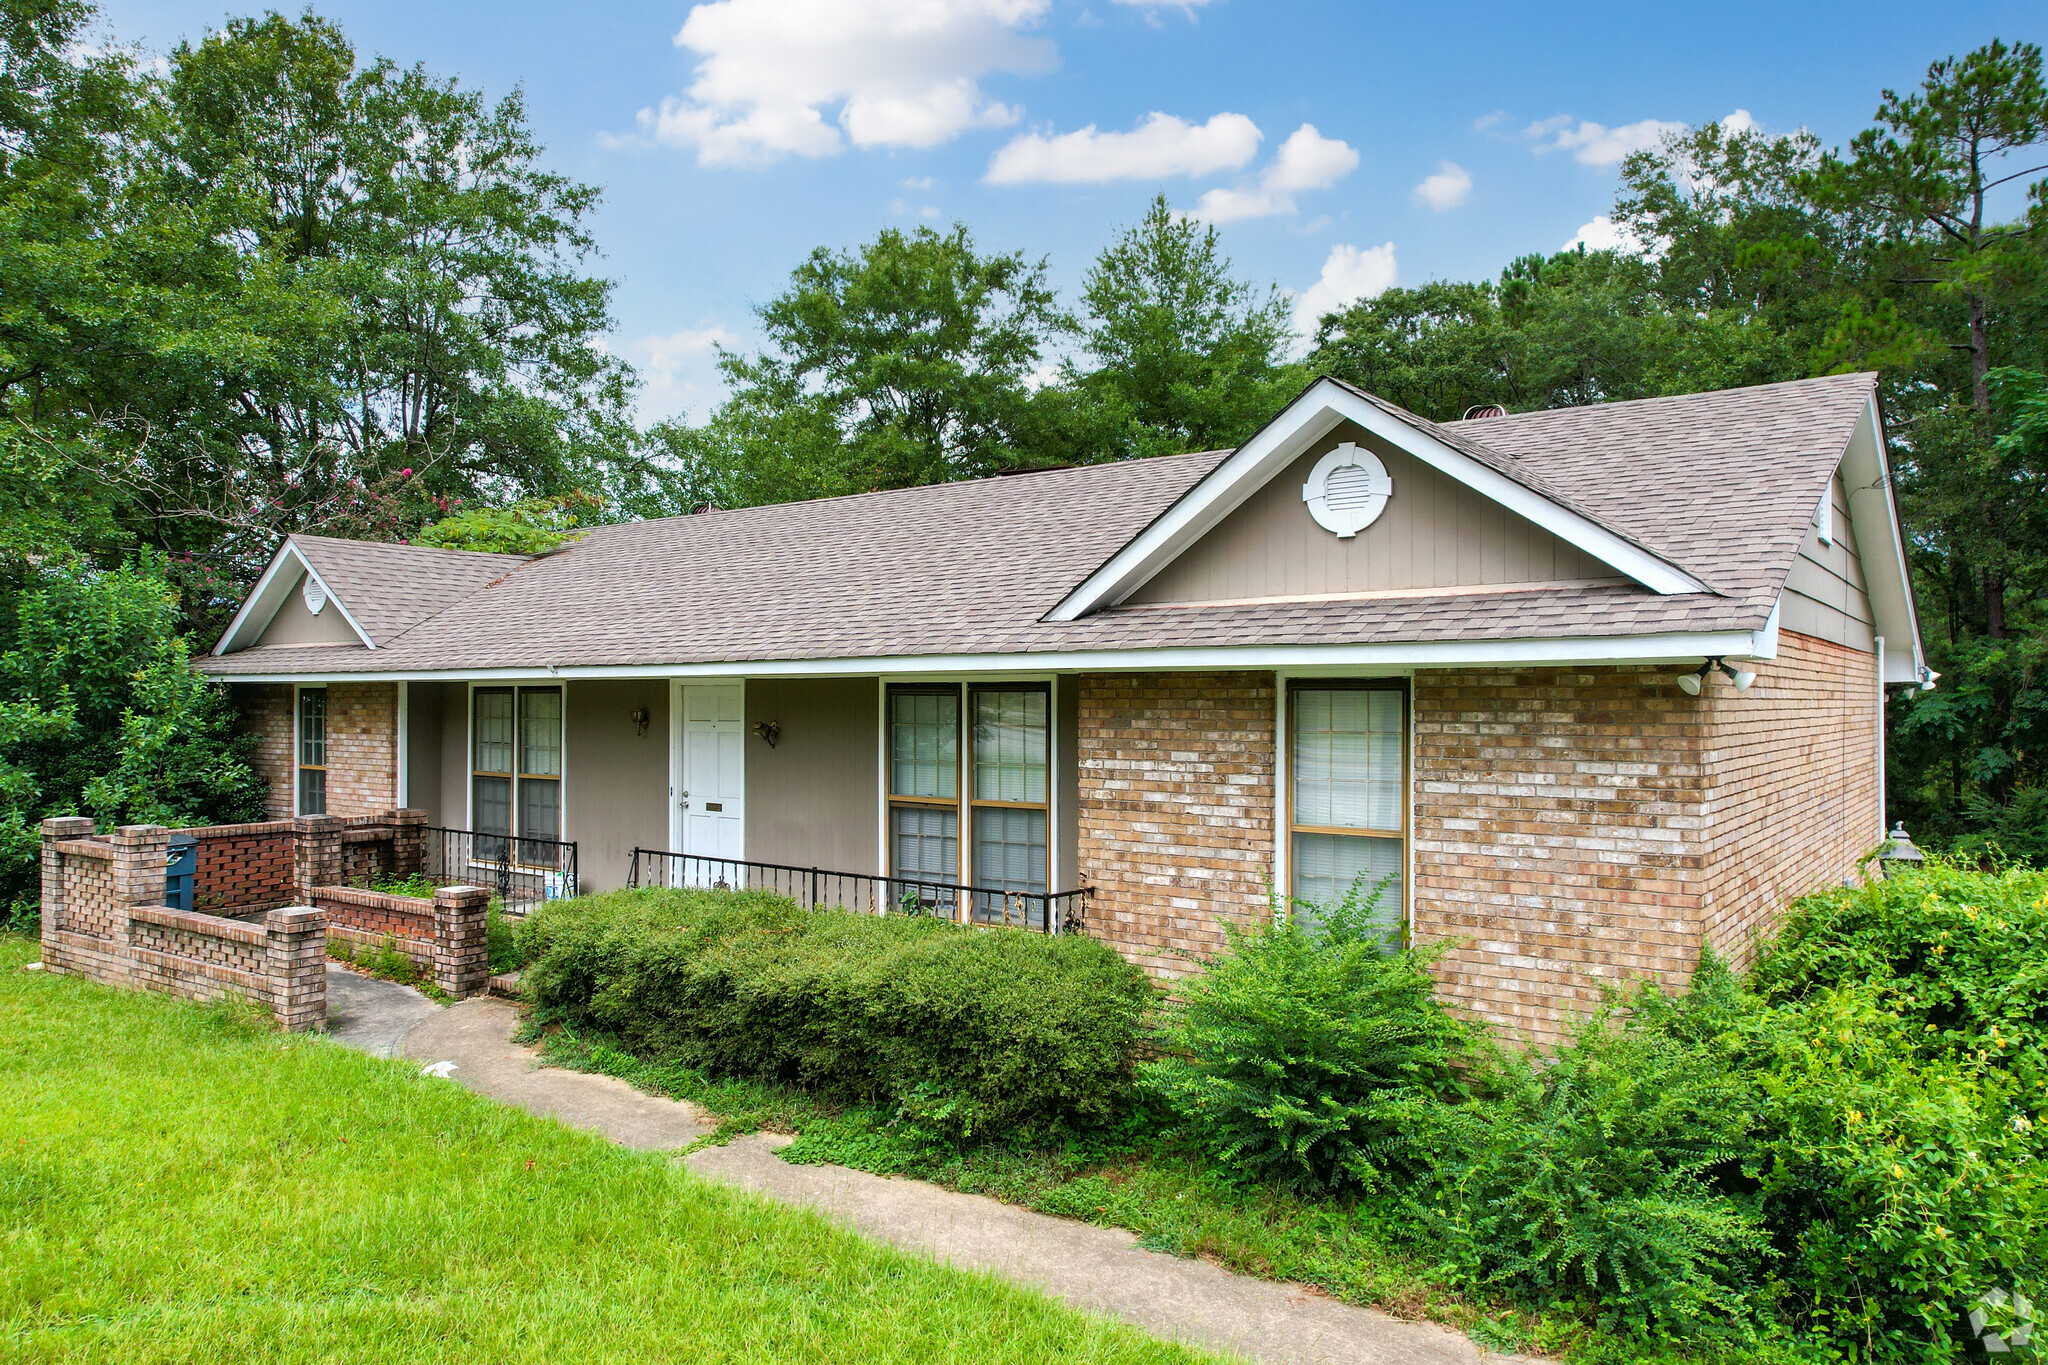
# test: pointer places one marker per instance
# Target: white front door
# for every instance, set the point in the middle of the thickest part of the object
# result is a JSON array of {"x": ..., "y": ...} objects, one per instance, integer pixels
[{"x": 710, "y": 814}]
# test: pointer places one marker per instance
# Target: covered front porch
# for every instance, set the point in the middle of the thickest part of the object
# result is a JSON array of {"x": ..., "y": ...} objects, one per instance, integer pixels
[{"x": 829, "y": 789}]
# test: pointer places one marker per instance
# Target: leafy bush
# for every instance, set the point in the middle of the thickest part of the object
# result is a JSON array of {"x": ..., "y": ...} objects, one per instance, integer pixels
[
  {"x": 1598, "y": 1174},
  {"x": 964, "y": 1032},
  {"x": 1300, "y": 1052}
]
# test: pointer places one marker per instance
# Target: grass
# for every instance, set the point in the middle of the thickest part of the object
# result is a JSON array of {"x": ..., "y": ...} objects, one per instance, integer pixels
[
  {"x": 1175, "y": 1201},
  {"x": 179, "y": 1184}
]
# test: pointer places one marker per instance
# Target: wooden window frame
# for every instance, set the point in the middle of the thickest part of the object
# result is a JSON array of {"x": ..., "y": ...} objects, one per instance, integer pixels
[
  {"x": 971, "y": 803},
  {"x": 514, "y": 775},
  {"x": 963, "y": 803},
  {"x": 893, "y": 800},
  {"x": 1400, "y": 686},
  {"x": 299, "y": 764}
]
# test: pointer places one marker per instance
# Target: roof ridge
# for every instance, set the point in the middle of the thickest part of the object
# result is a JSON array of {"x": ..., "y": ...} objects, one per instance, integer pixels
[{"x": 1611, "y": 404}]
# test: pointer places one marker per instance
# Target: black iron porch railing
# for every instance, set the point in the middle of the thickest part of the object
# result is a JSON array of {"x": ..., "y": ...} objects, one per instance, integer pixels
[
  {"x": 1056, "y": 912},
  {"x": 523, "y": 872}
]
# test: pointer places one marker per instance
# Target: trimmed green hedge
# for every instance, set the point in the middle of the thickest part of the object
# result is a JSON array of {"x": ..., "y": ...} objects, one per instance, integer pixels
[{"x": 966, "y": 1032}]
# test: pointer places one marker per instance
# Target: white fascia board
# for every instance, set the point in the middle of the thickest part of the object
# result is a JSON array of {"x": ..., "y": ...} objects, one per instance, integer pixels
[
  {"x": 1283, "y": 440},
  {"x": 1881, "y": 544},
  {"x": 1619, "y": 649},
  {"x": 269, "y": 594}
]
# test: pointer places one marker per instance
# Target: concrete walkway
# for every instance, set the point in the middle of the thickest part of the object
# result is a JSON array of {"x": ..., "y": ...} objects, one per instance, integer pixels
[
  {"x": 1101, "y": 1270},
  {"x": 371, "y": 1015}
]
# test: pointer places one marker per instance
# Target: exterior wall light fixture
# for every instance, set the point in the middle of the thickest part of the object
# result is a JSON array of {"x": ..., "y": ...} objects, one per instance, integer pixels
[
  {"x": 1694, "y": 682},
  {"x": 770, "y": 730}
]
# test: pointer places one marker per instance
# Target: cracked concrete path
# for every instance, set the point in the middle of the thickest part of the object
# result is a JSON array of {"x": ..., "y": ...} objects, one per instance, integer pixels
[{"x": 1101, "y": 1270}]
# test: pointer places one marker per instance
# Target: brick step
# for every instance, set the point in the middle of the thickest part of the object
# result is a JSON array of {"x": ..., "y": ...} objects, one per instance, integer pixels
[{"x": 506, "y": 984}]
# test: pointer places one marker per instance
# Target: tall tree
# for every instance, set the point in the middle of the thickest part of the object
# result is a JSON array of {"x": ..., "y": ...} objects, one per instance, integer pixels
[
  {"x": 1186, "y": 355},
  {"x": 904, "y": 361}
]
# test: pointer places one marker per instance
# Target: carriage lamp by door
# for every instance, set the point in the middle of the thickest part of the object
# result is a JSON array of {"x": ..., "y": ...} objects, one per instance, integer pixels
[
  {"x": 770, "y": 730},
  {"x": 640, "y": 718}
]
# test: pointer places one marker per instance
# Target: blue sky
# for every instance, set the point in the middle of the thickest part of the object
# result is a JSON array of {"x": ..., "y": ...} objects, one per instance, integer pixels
[{"x": 1341, "y": 147}]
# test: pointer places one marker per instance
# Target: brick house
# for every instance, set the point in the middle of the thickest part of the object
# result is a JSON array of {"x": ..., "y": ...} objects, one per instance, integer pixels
[{"x": 1580, "y": 690}]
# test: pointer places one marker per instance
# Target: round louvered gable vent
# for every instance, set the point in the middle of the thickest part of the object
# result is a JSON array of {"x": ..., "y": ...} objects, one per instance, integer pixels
[{"x": 1347, "y": 490}]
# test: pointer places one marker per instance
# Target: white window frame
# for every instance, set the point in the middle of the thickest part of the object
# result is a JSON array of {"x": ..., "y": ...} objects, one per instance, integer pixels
[
  {"x": 1054, "y": 812},
  {"x": 469, "y": 757},
  {"x": 1283, "y": 795}
]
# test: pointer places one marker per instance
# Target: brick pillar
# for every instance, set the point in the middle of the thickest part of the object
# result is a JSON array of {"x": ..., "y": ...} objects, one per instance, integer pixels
[
  {"x": 316, "y": 853},
  {"x": 139, "y": 852},
  {"x": 462, "y": 962},
  {"x": 408, "y": 842},
  {"x": 55, "y": 829},
  {"x": 295, "y": 949}
]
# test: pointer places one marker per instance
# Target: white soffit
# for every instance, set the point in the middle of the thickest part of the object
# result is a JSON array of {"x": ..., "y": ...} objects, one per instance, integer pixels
[
  {"x": 1280, "y": 442},
  {"x": 1881, "y": 543},
  {"x": 270, "y": 593}
]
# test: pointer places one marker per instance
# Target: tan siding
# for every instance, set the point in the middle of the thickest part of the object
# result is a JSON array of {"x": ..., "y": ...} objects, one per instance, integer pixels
[
  {"x": 615, "y": 783},
  {"x": 425, "y": 714},
  {"x": 454, "y": 756},
  {"x": 812, "y": 800},
  {"x": 1434, "y": 533},
  {"x": 1825, "y": 595},
  {"x": 294, "y": 625},
  {"x": 1067, "y": 777}
]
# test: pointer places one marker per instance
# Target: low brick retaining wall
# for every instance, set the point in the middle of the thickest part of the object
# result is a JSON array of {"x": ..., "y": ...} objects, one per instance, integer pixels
[
  {"x": 444, "y": 937},
  {"x": 104, "y": 918},
  {"x": 244, "y": 867}
]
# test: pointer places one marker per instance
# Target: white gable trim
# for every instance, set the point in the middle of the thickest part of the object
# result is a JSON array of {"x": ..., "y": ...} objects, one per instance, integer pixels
[
  {"x": 1881, "y": 542},
  {"x": 1280, "y": 442},
  {"x": 269, "y": 594}
]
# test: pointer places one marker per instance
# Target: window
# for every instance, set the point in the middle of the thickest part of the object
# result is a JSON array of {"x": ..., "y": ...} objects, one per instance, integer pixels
[
  {"x": 1003, "y": 793},
  {"x": 1009, "y": 807},
  {"x": 312, "y": 754},
  {"x": 924, "y": 787},
  {"x": 1347, "y": 772},
  {"x": 516, "y": 769}
]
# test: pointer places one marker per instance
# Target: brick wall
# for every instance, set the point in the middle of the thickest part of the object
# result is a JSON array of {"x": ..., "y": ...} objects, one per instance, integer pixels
[
  {"x": 1794, "y": 800},
  {"x": 103, "y": 918},
  {"x": 368, "y": 919},
  {"x": 362, "y": 745},
  {"x": 243, "y": 867},
  {"x": 1557, "y": 834},
  {"x": 267, "y": 714},
  {"x": 1176, "y": 809}
]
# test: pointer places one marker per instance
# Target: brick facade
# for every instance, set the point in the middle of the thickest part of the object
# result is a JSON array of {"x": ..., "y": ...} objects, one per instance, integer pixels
[
  {"x": 243, "y": 867},
  {"x": 1176, "y": 809},
  {"x": 1796, "y": 798},
  {"x": 1572, "y": 828},
  {"x": 445, "y": 936},
  {"x": 362, "y": 745},
  {"x": 1557, "y": 835}
]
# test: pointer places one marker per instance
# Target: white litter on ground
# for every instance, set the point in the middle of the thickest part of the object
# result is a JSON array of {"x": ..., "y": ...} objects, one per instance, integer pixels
[{"x": 441, "y": 1070}]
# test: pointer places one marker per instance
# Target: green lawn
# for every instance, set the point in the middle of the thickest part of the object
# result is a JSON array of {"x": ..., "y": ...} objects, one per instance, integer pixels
[{"x": 175, "y": 1185}]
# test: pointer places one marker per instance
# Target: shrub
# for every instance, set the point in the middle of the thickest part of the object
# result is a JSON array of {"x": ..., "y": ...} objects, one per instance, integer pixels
[
  {"x": 1597, "y": 1176},
  {"x": 965, "y": 1032},
  {"x": 1300, "y": 1052}
]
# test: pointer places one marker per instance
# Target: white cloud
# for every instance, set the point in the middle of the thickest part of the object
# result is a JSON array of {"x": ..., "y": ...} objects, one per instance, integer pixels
[
  {"x": 1604, "y": 234},
  {"x": 902, "y": 75},
  {"x": 1595, "y": 144},
  {"x": 1306, "y": 161},
  {"x": 904, "y": 207},
  {"x": 680, "y": 370},
  {"x": 1447, "y": 188},
  {"x": 1161, "y": 145},
  {"x": 1349, "y": 273},
  {"x": 1486, "y": 123},
  {"x": 917, "y": 182},
  {"x": 1741, "y": 121}
]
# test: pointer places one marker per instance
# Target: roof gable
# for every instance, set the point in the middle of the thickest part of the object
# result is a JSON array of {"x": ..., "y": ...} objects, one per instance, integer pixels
[
  {"x": 1433, "y": 533},
  {"x": 1310, "y": 418},
  {"x": 380, "y": 590}
]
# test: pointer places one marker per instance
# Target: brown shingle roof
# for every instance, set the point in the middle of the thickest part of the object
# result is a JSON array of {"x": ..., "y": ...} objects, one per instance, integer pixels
[
  {"x": 389, "y": 589},
  {"x": 1721, "y": 484}
]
